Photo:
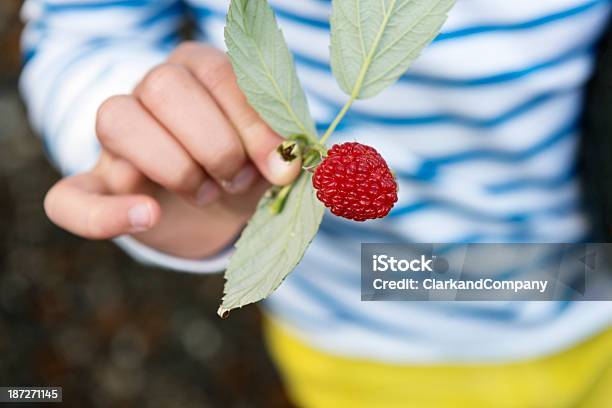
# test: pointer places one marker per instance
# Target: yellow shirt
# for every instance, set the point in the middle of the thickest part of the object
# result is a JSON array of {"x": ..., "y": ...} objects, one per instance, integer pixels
[{"x": 579, "y": 377}]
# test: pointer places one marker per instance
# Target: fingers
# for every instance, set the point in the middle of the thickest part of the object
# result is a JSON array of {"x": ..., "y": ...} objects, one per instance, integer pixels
[
  {"x": 126, "y": 129},
  {"x": 180, "y": 102},
  {"x": 121, "y": 177},
  {"x": 79, "y": 205},
  {"x": 213, "y": 69}
]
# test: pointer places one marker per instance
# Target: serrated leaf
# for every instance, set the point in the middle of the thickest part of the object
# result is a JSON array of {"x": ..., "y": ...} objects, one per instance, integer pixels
[
  {"x": 265, "y": 69},
  {"x": 373, "y": 42},
  {"x": 271, "y": 246}
]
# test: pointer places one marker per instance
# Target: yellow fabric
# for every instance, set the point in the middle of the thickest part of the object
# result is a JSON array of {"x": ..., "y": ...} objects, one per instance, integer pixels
[{"x": 579, "y": 377}]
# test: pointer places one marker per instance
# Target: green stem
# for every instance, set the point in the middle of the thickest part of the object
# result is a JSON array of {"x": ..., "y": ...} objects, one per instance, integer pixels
[
  {"x": 311, "y": 138},
  {"x": 279, "y": 201},
  {"x": 336, "y": 121}
]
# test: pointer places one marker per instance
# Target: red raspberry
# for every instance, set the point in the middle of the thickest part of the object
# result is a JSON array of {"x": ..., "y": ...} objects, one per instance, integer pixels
[{"x": 354, "y": 182}]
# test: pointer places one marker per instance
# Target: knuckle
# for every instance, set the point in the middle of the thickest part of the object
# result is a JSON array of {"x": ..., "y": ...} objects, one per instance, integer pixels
[
  {"x": 107, "y": 114},
  {"x": 217, "y": 71},
  {"x": 158, "y": 80},
  {"x": 212, "y": 66},
  {"x": 188, "y": 48}
]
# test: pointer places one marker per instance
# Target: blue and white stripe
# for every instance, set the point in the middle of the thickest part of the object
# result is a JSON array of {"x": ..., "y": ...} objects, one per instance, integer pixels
[{"x": 482, "y": 132}]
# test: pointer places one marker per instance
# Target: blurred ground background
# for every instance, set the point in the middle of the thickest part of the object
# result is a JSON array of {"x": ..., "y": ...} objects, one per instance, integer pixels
[{"x": 84, "y": 316}]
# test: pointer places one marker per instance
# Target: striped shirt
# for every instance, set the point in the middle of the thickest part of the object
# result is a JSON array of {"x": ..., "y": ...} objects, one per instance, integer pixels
[{"x": 482, "y": 132}]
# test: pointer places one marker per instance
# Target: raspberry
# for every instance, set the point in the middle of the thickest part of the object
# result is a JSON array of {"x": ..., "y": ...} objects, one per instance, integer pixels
[{"x": 354, "y": 182}]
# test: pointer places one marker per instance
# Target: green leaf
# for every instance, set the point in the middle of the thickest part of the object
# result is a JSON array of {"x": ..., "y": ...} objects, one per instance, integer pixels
[
  {"x": 265, "y": 69},
  {"x": 271, "y": 246},
  {"x": 373, "y": 42}
]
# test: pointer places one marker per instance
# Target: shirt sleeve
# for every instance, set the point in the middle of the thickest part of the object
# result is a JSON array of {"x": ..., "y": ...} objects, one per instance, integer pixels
[
  {"x": 76, "y": 54},
  {"x": 150, "y": 256}
]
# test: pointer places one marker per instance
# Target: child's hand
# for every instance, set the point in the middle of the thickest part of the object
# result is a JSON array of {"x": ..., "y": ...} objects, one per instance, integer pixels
[{"x": 181, "y": 162}]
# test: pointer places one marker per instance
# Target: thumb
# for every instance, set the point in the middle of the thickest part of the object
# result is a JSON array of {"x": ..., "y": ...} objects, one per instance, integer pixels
[
  {"x": 80, "y": 204},
  {"x": 283, "y": 164},
  {"x": 274, "y": 159}
]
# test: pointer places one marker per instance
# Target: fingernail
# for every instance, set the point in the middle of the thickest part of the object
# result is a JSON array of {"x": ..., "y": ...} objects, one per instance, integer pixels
[
  {"x": 280, "y": 169},
  {"x": 140, "y": 217},
  {"x": 242, "y": 181},
  {"x": 207, "y": 193}
]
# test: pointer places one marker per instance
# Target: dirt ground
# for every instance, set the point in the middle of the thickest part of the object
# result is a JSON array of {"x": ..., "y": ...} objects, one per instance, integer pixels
[{"x": 84, "y": 316}]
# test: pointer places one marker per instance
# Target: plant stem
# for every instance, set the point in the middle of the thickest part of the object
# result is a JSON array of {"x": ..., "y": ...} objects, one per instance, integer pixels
[
  {"x": 279, "y": 202},
  {"x": 337, "y": 120}
]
